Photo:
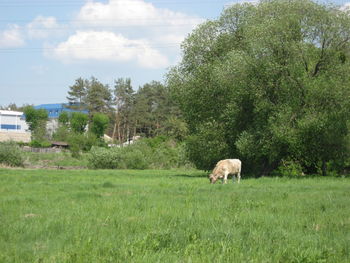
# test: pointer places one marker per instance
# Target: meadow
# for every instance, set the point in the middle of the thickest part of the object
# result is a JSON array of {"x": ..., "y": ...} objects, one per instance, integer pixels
[{"x": 170, "y": 216}]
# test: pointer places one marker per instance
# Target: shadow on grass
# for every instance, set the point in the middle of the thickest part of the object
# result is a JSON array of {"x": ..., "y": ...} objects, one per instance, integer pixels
[{"x": 197, "y": 175}]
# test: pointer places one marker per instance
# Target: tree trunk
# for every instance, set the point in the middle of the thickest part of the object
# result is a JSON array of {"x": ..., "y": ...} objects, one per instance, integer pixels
[
  {"x": 128, "y": 133},
  {"x": 114, "y": 130}
]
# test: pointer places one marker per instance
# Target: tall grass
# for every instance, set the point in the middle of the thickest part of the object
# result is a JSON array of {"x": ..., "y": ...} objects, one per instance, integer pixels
[
  {"x": 63, "y": 159},
  {"x": 11, "y": 154},
  {"x": 170, "y": 216}
]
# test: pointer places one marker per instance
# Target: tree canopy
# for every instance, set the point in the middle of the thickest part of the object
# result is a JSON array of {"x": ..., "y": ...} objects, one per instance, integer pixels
[
  {"x": 90, "y": 95},
  {"x": 267, "y": 82},
  {"x": 36, "y": 119}
]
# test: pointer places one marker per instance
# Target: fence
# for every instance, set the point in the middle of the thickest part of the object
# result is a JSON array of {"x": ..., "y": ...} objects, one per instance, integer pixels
[{"x": 42, "y": 150}]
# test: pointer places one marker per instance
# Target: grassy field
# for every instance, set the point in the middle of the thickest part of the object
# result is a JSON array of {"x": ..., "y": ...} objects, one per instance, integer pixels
[{"x": 170, "y": 216}]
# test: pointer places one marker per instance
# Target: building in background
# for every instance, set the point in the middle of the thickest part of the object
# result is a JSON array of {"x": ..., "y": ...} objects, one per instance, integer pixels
[
  {"x": 13, "y": 126},
  {"x": 54, "y": 111}
]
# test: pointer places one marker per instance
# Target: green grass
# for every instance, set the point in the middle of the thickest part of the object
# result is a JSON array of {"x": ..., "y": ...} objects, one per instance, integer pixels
[{"x": 170, "y": 216}]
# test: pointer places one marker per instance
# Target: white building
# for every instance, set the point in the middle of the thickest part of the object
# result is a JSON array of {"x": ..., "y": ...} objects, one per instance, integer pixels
[{"x": 13, "y": 126}]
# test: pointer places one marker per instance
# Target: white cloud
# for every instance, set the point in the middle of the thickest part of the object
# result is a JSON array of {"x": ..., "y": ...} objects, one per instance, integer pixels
[
  {"x": 126, "y": 30},
  {"x": 108, "y": 46},
  {"x": 139, "y": 18},
  {"x": 132, "y": 12},
  {"x": 43, "y": 27},
  {"x": 11, "y": 37}
]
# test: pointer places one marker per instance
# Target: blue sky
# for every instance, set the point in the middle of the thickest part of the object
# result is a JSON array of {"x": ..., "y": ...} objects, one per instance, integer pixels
[{"x": 46, "y": 44}]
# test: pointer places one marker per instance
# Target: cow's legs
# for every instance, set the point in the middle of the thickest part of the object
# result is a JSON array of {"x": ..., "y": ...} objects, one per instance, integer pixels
[
  {"x": 225, "y": 177},
  {"x": 238, "y": 177}
]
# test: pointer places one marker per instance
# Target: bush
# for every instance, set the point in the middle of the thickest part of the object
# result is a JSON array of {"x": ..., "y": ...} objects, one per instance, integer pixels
[
  {"x": 11, "y": 154},
  {"x": 290, "y": 169},
  {"x": 82, "y": 142},
  {"x": 102, "y": 158},
  {"x": 39, "y": 144},
  {"x": 134, "y": 159},
  {"x": 156, "y": 153}
]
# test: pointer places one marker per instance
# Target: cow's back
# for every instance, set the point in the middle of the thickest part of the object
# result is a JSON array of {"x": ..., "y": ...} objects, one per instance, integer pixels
[
  {"x": 230, "y": 165},
  {"x": 235, "y": 165}
]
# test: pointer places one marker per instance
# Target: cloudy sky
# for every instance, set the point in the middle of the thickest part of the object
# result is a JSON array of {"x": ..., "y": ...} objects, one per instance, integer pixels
[{"x": 46, "y": 44}]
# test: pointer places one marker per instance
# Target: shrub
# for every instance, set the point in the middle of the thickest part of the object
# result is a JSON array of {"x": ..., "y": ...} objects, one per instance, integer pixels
[
  {"x": 290, "y": 169},
  {"x": 11, "y": 154},
  {"x": 82, "y": 142},
  {"x": 134, "y": 159},
  {"x": 40, "y": 144},
  {"x": 102, "y": 158},
  {"x": 61, "y": 134},
  {"x": 156, "y": 153}
]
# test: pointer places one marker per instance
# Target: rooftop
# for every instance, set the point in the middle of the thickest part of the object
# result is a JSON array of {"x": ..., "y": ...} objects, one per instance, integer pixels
[
  {"x": 10, "y": 112},
  {"x": 54, "y": 110}
]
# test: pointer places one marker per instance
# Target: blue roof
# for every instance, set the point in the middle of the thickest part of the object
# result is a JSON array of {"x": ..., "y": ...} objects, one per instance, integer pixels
[{"x": 54, "y": 110}]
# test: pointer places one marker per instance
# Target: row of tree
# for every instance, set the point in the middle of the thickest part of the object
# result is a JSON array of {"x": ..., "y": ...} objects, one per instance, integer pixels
[
  {"x": 73, "y": 123},
  {"x": 149, "y": 111}
]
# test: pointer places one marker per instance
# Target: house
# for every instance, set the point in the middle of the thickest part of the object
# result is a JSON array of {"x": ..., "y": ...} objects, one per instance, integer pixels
[{"x": 13, "y": 126}]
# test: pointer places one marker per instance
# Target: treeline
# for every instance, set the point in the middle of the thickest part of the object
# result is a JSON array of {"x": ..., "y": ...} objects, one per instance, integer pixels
[{"x": 149, "y": 111}]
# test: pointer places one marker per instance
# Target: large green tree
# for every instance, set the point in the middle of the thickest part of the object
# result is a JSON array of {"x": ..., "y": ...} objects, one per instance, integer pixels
[
  {"x": 98, "y": 97},
  {"x": 91, "y": 95},
  {"x": 153, "y": 109},
  {"x": 268, "y": 82},
  {"x": 77, "y": 93},
  {"x": 36, "y": 119},
  {"x": 99, "y": 124},
  {"x": 78, "y": 122}
]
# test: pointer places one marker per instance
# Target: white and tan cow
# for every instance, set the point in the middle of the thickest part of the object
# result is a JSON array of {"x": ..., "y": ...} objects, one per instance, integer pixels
[{"x": 225, "y": 167}]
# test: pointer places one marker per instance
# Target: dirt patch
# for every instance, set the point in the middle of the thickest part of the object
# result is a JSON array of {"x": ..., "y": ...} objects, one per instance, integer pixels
[{"x": 30, "y": 215}]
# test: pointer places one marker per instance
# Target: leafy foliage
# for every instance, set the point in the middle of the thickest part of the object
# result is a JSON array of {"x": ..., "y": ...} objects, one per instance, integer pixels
[
  {"x": 64, "y": 118},
  {"x": 99, "y": 124},
  {"x": 36, "y": 119},
  {"x": 148, "y": 112},
  {"x": 158, "y": 152},
  {"x": 273, "y": 79},
  {"x": 82, "y": 142},
  {"x": 90, "y": 94},
  {"x": 78, "y": 122}
]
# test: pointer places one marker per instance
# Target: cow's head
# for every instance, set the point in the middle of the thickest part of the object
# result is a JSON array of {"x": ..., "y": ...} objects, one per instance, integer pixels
[{"x": 212, "y": 178}]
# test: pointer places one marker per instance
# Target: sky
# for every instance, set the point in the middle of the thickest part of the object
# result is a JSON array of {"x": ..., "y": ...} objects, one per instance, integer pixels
[{"x": 45, "y": 45}]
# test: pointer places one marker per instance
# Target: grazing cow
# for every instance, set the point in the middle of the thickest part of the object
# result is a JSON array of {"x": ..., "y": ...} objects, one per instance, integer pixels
[{"x": 225, "y": 167}]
